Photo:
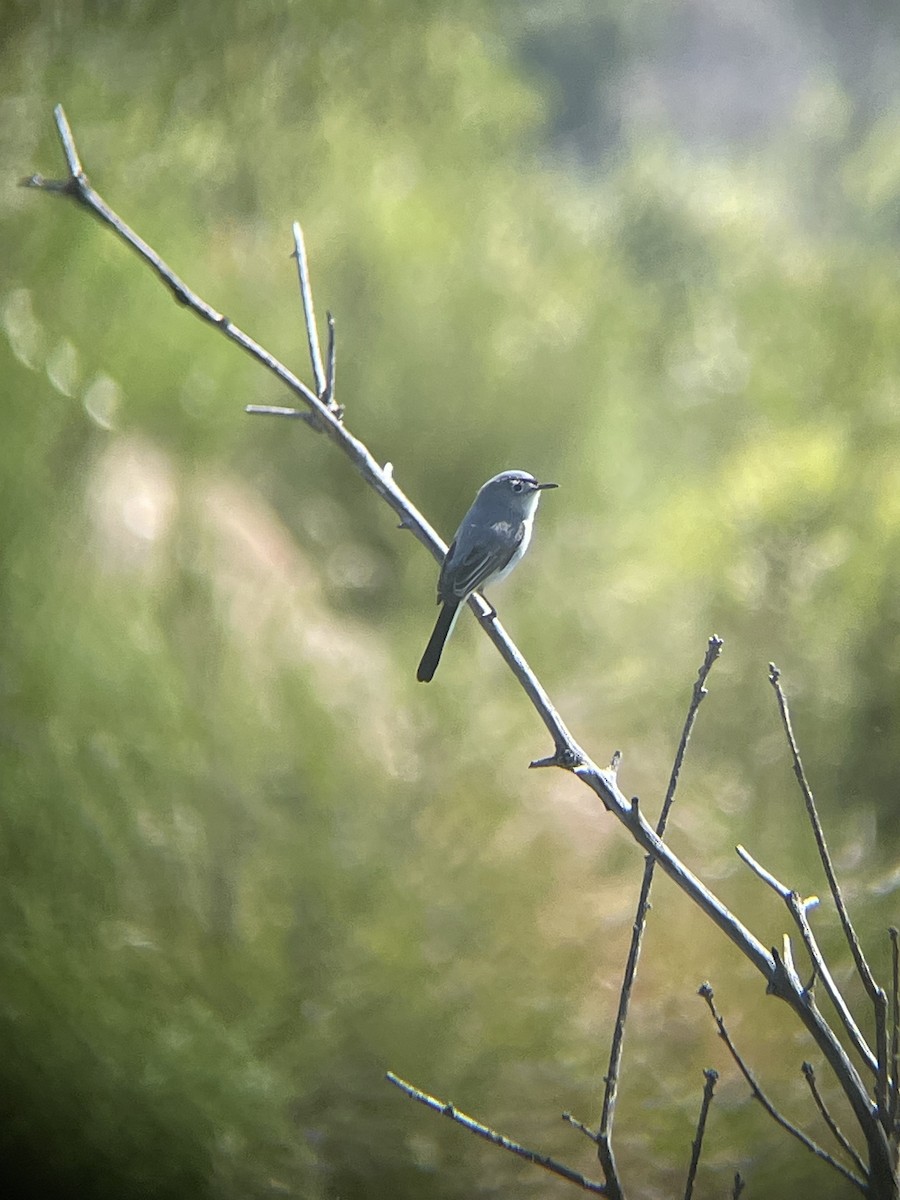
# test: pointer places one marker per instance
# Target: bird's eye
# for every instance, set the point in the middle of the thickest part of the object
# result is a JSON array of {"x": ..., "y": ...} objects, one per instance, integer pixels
[{"x": 516, "y": 485}]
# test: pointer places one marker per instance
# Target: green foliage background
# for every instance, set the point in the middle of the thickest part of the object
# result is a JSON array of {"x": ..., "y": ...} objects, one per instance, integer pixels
[{"x": 248, "y": 864}]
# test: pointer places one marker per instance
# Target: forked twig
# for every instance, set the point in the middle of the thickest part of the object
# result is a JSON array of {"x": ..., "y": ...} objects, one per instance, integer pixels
[
  {"x": 759, "y": 1095},
  {"x": 78, "y": 188},
  {"x": 798, "y": 909},
  {"x": 604, "y": 1133},
  {"x": 496, "y": 1139}
]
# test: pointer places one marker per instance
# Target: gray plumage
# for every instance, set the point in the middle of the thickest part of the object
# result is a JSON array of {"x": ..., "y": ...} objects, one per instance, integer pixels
[{"x": 491, "y": 540}]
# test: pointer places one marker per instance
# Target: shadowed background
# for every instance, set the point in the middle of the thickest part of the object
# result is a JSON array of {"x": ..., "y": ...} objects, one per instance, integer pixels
[{"x": 248, "y": 864}]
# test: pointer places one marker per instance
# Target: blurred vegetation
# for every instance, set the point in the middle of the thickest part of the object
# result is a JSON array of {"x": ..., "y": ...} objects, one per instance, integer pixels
[{"x": 248, "y": 864}]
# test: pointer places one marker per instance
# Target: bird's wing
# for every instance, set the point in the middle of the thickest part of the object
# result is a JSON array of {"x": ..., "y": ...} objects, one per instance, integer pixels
[{"x": 466, "y": 570}]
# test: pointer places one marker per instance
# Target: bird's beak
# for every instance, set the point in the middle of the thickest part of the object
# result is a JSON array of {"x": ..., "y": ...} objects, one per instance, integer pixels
[{"x": 540, "y": 487}]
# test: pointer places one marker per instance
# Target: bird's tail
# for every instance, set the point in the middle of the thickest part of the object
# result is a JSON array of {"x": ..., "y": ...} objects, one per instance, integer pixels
[{"x": 442, "y": 630}]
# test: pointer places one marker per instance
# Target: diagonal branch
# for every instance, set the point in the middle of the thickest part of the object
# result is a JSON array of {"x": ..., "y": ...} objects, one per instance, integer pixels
[
  {"x": 759, "y": 1095},
  {"x": 798, "y": 909},
  {"x": 780, "y": 981},
  {"x": 809, "y": 1074},
  {"x": 567, "y": 753},
  {"x": 862, "y": 966},
  {"x": 496, "y": 1139}
]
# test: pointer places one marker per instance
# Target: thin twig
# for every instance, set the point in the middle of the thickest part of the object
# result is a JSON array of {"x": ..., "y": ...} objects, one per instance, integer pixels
[
  {"x": 787, "y": 958},
  {"x": 882, "y": 1074},
  {"x": 895, "y": 1028},
  {"x": 309, "y": 312},
  {"x": 862, "y": 966},
  {"x": 604, "y": 1133},
  {"x": 328, "y": 396},
  {"x": 697, "y": 1144},
  {"x": 713, "y": 650},
  {"x": 496, "y": 1139},
  {"x": 580, "y": 1126},
  {"x": 798, "y": 909},
  {"x": 809, "y": 1074},
  {"x": 759, "y": 1095}
]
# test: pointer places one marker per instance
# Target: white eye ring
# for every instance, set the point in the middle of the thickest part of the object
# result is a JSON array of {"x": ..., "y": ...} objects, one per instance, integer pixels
[{"x": 516, "y": 485}]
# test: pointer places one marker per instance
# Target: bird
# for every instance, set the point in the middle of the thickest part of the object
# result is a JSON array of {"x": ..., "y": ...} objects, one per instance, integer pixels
[{"x": 490, "y": 541}]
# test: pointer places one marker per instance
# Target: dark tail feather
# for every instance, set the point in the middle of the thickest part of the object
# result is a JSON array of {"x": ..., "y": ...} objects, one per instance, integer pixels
[{"x": 432, "y": 656}]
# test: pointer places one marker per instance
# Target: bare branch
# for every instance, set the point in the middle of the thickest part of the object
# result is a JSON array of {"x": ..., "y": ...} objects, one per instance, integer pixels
[
  {"x": 73, "y": 162},
  {"x": 763, "y": 874},
  {"x": 809, "y": 1075},
  {"x": 780, "y": 981},
  {"x": 567, "y": 753},
  {"x": 759, "y": 1095},
  {"x": 862, "y": 966},
  {"x": 580, "y": 1126},
  {"x": 882, "y": 1074},
  {"x": 895, "y": 1028},
  {"x": 275, "y": 410},
  {"x": 309, "y": 312},
  {"x": 607, "y": 1159},
  {"x": 328, "y": 396},
  {"x": 798, "y": 909},
  {"x": 713, "y": 650},
  {"x": 496, "y": 1139},
  {"x": 325, "y": 417},
  {"x": 604, "y": 1133},
  {"x": 697, "y": 1144}
]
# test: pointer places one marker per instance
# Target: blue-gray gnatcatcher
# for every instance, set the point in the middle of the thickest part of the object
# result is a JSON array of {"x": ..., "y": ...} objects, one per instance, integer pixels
[{"x": 493, "y": 536}]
